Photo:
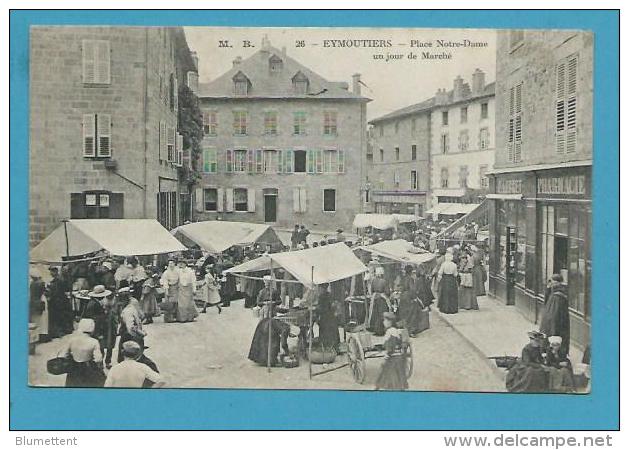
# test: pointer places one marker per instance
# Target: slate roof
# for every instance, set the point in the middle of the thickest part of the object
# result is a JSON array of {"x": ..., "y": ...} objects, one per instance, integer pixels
[
  {"x": 427, "y": 105},
  {"x": 267, "y": 84}
]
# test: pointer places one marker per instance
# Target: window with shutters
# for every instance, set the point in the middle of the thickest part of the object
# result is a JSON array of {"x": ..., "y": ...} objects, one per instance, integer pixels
[
  {"x": 463, "y": 175},
  {"x": 414, "y": 152},
  {"x": 179, "y": 149},
  {"x": 270, "y": 123},
  {"x": 483, "y": 139},
  {"x": 482, "y": 175},
  {"x": 566, "y": 106},
  {"x": 464, "y": 140},
  {"x": 289, "y": 161},
  {"x": 210, "y": 160},
  {"x": 397, "y": 153},
  {"x": 240, "y": 123},
  {"x": 271, "y": 161},
  {"x": 300, "y": 161},
  {"x": 162, "y": 141},
  {"x": 241, "y": 199},
  {"x": 484, "y": 110},
  {"x": 259, "y": 165},
  {"x": 97, "y": 136},
  {"x": 329, "y": 200},
  {"x": 240, "y": 161},
  {"x": 210, "y": 123},
  {"x": 96, "y": 61},
  {"x": 464, "y": 114},
  {"x": 445, "y": 142},
  {"x": 299, "y": 123},
  {"x": 341, "y": 161},
  {"x": 170, "y": 150},
  {"x": 329, "y": 123},
  {"x": 210, "y": 199},
  {"x": 299, "y": 200},
  {"x": 514, "y": 144},
  {"x": 444, "y": 177},
  {"x": 331, "y": 163},
  {"x": 414, "y": 180},
  {"x": 444, "y": 118}
]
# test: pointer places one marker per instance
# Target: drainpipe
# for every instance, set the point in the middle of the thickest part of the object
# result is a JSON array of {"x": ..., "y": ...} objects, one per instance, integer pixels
[{"x": 144, "y": 167}]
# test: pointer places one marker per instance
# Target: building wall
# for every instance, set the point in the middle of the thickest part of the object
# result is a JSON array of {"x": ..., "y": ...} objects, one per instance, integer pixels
[
  {"x": 351, "y": 138},
  {"x": 474, "y": 157},
  {"x": 533, "y": 63},
  {"x": 59, "y": 98}
]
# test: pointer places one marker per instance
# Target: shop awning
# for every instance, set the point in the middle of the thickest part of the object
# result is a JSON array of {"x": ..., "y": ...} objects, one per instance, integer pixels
[
  {"x": 453, "y": 209},
  {"x": 119, "y": 237},
  {"x": 318, "y": 265},
  {"x": 379, "y": 221},
  {"x": 217, "y": 236},
  {"x": 406, "y": 218},
  {"x": 399, "y": 250}
]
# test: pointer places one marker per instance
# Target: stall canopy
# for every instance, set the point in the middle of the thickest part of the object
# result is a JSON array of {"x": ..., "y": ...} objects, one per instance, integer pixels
[
  {"x": 330, "y": 262},
  {"x": 119, "y": 237},
  {"x": 452, "y": 209},
  {"x": 406, "y": 218},
  {"x": 217, "y": 236},
  {"x": 379, "y": 221},
  {"x": 401, "y": 251}
]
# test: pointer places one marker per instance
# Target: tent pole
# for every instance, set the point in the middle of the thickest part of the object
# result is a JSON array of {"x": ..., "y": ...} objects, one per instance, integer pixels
[
  {"x": 270, "y": 311},
  {"x": 65, "y": 230},
  {"x": 310, "y": 330}
]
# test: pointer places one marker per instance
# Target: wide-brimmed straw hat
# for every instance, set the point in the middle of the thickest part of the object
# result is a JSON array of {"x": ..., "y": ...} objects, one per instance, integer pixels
[{"x": 100, "y": 291}]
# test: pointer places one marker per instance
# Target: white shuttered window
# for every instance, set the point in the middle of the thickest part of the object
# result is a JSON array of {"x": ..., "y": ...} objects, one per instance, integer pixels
[
  {"x": 97, "y": 135},
  {"x": 96, "y": 61},
  {"x": 566, "y": 106}
]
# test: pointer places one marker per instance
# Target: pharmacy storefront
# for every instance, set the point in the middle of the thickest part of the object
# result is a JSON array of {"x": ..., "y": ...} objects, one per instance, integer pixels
[{"x": 540, "y": 224}]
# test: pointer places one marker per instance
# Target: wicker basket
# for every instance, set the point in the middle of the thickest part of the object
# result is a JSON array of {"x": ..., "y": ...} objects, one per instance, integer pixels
[{"x": 322, "y": 355}]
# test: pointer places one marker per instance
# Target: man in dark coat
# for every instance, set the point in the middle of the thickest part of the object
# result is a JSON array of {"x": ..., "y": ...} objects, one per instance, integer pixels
[
  {"x": 294, "y": 238},
  {"x": 556, "y": 318}
]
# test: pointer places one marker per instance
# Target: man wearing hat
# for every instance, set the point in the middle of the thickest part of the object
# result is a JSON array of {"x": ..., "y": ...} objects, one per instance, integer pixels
[
  {"x": 529, "y": 374},
  {"x": 130, "y": 373},
  {"x": 60, "y": 315},
  {"x": 101, "y": 308}
]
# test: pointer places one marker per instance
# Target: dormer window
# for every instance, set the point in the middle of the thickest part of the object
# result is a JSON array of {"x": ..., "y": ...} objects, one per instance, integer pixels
[
  {"x": 300, "y": 83},
  {"x": 275, "y": 64},
  {"x": 242, "y": 85}
]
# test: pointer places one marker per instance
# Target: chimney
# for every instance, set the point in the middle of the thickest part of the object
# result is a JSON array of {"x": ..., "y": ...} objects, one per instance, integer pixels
[
  {"x": 457, "y": 91},
  {"x": 478, "y": 82},
  {"x": 356, "y": 84},
  {"x": 195, "y": 59},
  {"x": 440, "y": 96},
  {"x": 237, "y": 61}
]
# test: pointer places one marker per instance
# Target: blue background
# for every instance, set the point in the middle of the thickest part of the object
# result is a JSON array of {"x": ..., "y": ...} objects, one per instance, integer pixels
[{"x": 33, "y": 408}]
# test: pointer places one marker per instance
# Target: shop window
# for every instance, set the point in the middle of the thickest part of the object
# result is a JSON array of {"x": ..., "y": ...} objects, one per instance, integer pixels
[{"x": 96, "y": 205}]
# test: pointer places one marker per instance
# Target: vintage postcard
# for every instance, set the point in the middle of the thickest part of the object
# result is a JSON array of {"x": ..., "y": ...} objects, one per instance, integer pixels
[{"x": 310, "y": 208}]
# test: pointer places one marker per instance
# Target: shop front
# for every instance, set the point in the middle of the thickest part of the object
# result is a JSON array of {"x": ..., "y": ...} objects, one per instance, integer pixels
[
  {"x": 399, "y": 202},
  {"x": 540, "y": 226}
]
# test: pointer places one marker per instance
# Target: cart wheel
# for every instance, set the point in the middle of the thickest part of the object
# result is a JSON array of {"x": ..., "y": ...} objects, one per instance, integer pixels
[
  {"x": 356, "y": 360},
  {"x": 409, "y": 361}
]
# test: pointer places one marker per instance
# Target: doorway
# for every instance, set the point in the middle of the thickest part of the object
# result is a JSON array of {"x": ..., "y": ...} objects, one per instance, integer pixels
[{"x": 270, "y": 207}]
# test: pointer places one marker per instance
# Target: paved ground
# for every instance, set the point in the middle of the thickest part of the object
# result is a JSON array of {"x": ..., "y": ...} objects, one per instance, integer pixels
[{"x": 212, "y": 352}]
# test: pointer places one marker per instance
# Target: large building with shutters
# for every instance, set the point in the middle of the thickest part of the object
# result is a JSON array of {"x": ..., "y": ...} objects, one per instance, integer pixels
[
  {"x": 281, "y": 145},
  {"x": 103, "y": 124},
  {"x": 540, "y": 188}
]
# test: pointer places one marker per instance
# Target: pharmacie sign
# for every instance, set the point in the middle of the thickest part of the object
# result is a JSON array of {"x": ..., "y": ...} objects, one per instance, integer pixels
[{"x": 563, "y": 185}]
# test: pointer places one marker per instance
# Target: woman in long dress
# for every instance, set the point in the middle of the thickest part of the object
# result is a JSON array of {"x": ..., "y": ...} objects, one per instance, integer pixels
[
  {"x": 478, "y": 272},
  {"x": 560, "y": 375},
  {"x": 148, "y": 301},
  {"x": 448, "y": 292},
  {"x": 393, "y": 373},
  {"x": 84, "y": 352},
  {"x": 409, "y": 311},
  {"x": 186, "y": 311},
  {"x": 467, "y": 294},
  {"x": 170, "y": 282},
  {"x": 327, "y": 321},
  {"x": 211, "y": 294},
  {"x": 529, "y": 373},
  {"x": 422, "y": 287},
  {"x": 379, "y": 302}
]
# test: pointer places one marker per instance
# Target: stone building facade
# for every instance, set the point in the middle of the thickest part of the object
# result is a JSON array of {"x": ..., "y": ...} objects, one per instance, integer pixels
[
  {"x": 103, "y": 123},
  {"x": 540, "y": 189},
  {"x": 434, "y": 153},
  {"x": 462, "y": 142},
  {"x": 281, "y": 145}
]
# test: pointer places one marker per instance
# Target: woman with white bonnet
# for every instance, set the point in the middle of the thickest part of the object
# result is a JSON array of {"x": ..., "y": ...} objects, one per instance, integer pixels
[
  {"x": 560, "y": 376},
  {"x": 448, "y": 302},
  {"x": 84, "y": 351}
]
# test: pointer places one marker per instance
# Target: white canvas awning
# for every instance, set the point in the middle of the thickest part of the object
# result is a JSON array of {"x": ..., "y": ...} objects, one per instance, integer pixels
[
  {"x": 217, "y": 236},
  {"x": 406, "y": 218},
  {"x": 119, "y": 237},
  {"x": 453, "y": 209},
  {"x": 379, "y": 221},
  {"x": 398, "y": 250},
  {"x": 318, "y": 265}
]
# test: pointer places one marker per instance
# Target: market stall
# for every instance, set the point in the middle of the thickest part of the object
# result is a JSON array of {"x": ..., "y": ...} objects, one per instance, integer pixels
[
  {"x": 310, "y": 267},
  {"x": 378, "y": 221},
  {"x": 76, "y": 238},
  {"x": 217, "y": 236}
]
